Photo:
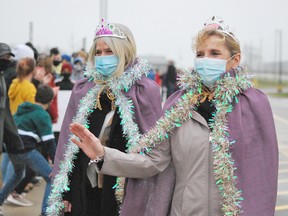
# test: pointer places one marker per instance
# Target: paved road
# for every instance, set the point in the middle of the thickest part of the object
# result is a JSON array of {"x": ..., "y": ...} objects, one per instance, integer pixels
[
  {"x": 280, "y": 110},
  {"x": 35, "y": 196}
]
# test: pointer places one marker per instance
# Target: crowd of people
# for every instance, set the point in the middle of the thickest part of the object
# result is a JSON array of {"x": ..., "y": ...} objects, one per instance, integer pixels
[
  {"x": 30, "y": 82},
  {"x": 210, "y": 150},
  {"x": 25, "y": 71}
]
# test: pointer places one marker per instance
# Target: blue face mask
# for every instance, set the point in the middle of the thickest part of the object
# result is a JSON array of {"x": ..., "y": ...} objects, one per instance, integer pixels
[
  {"x": 210, "y": 69},
  {"x": 106, "y": 65}
]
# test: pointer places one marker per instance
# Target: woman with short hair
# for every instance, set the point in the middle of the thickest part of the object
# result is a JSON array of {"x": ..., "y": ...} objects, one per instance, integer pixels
[{"x": 222, "y": 138}]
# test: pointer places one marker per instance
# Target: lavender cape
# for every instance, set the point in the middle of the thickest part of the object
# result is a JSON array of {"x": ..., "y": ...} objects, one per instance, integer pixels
[
  {"x": 255, "y": 151},
  {"x": 143, "y": 196}
]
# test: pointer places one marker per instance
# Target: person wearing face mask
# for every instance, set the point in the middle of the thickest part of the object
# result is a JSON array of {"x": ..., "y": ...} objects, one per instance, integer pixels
[
  {"x": 35, "y": 128},
  {"x": 78, "y": 65},
  {"x": 218, "y": 131},
  {"x": 65, "y": 83},
  {"x": 8, "y": 130},
  {"x": 117, "y": 102},
  {"x": 56, "y": 58}
]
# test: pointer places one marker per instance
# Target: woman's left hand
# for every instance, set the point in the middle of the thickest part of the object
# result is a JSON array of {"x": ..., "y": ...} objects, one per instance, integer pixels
[{"x": 90, "y": 144}]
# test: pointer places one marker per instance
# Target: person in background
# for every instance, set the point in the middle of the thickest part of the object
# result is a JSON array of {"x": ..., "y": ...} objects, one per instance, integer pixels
[
  {"x": 82, "y": 54},
  {"x": 56, "y": 58},
  {"x": 43, "y": 71},
  {"x": 170, "y": 79},
  {"x": 66, "y": 59},
  {"x": 8, "y": 130},
  {"x": 22, "y": 89},
  {"x": 78, "y": 67},
  {"x": 35, "y": 128},
  {"x": 158, "y": 79},
  {"x": 65, "y": 83},
  {"x": 222, "y": 137},
  {"x": 44, "y": 75},
  {"x": 36, "y": 54},
  {"x": 117, "y": 102},
  {"x": 19, "y": 51}
]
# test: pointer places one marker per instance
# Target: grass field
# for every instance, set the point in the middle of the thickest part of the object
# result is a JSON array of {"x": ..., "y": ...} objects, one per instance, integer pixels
[{"x": 280, "y": 90}]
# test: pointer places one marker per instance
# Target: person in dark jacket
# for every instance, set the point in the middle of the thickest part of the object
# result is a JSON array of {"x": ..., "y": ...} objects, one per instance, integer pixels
[
  {"x": 34, "y": 126},
  {"x": 170, "y": 79},
  {"x": 8, "y": 129},
  {"x": 65, "y": 83}
]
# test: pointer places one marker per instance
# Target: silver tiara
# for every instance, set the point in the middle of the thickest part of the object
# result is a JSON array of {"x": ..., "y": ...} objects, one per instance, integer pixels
[
  {"x": 104, "y": 29},
  {"x": 218, "y": 24}
]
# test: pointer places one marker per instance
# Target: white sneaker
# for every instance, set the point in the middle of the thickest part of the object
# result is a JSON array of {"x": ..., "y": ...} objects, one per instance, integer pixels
[
  {"x": 23, "y": 194},
  {"x": 18, "y": 199}
]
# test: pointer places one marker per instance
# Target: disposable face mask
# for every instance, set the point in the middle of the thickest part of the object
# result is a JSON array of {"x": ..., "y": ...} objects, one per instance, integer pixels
[
  {"x": 66, "y": 75},
  {"x": 106, "y": 65},
  {"x": 210, "y": 69},
  {"x": 56, "y": 63},
  {"x": 4, "y": 64}
]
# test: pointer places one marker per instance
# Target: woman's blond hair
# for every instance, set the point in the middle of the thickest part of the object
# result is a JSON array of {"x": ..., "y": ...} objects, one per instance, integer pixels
[
  {"x": 124, "y": 49},
  {"x": 231, "y": 44}
]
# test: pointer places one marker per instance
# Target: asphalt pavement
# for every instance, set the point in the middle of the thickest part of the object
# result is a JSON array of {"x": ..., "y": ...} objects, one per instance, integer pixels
[{"x": 280, "y": 112}]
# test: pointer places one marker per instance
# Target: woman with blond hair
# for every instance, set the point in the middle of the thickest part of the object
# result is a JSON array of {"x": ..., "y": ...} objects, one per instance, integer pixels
[
  {"x": 118, "y": 103},
  {"x": 222, "y": 138}
]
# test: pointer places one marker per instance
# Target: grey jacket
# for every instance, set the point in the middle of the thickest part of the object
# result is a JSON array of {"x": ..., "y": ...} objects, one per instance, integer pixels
[
  {"x": 195, "y": 191},
  {"x": 255, "y": 152}
]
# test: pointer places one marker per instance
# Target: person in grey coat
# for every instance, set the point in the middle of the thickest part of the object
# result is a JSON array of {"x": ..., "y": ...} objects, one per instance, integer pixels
[{"x": 222, "y": 138}]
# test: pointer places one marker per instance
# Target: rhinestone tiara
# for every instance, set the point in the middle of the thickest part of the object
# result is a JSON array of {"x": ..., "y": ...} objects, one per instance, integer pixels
[
  {"x": 218, "y": 24},
  {"x": 104, "y": 29}
]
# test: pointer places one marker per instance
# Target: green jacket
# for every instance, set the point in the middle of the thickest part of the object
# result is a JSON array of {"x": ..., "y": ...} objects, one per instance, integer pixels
[{"x": 35, "y": 126}]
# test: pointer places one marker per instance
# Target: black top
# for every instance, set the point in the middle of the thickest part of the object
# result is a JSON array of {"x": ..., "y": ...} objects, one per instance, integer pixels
[
  {"x": 88, "y": 201},
  {"x": 206, "y": 109},
  {"x": 65, "y": 84},
  {"x": 8, "y": 129}
]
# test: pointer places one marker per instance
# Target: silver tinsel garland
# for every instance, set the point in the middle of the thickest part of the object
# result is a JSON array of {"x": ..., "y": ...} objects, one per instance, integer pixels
[
  {"x": 87, "y": 103},
  {"x": 225, "y": 93}
]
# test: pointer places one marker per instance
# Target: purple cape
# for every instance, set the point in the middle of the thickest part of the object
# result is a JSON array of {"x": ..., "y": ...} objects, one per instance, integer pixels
[
  {"x": 139, "y": 199},
  {"x": 255, "y": 151}
]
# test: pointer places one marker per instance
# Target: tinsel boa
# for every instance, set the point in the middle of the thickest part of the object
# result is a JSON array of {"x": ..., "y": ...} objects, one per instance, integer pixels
[
  {"x": 226, "y": 91},
  {"x": 85, "y": 107}
]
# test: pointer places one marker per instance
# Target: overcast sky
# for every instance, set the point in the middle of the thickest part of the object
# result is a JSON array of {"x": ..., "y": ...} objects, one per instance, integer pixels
[{"x": 160, "y": 27}]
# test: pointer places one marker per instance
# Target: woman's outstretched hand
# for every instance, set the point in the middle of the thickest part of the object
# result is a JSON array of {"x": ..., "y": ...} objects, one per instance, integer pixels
[{"x": 90, "y": 144}]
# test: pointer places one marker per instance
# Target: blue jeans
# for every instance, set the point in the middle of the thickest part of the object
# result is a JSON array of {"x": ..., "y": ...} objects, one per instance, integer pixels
[
  {"x": 4, "y": 166},
  {"x": 37, "y": 163}
]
